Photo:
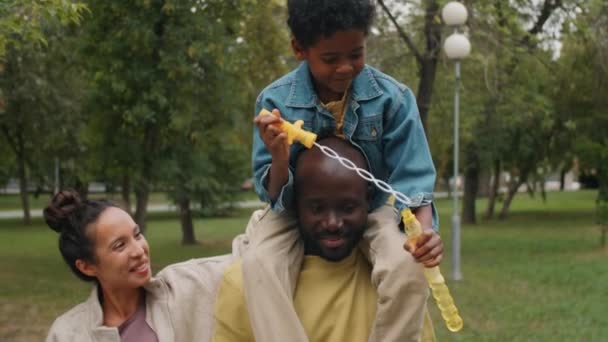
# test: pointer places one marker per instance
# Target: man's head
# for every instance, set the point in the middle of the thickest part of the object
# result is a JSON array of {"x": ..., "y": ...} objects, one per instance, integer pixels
[
  {"x": 330, "y": 35},
  {"x": 331, "y": 201}
]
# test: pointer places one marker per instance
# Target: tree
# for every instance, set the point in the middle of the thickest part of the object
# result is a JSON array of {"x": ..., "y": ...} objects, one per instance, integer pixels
[
  {"x": 426, "y": 59},
  {"x": 28, "y": 90},
  {"x": 510, "y": 46},
  {"x": 582, "y": 74},
  {"x": 22, "y": 22},
  {"x": 35, "y": 122},
  {"x": 209, "y": 158},
  {"x": 137, "y": 58},
  {"x": 166, "y": 83}
]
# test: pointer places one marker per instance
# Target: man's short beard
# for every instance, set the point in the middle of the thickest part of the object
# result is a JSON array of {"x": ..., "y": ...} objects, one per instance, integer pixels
[{"x": 312, "y": 244}]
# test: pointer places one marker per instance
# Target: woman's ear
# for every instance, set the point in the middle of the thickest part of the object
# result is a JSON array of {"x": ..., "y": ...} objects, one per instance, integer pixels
[
  {"x": 86, "y": 267},
  {"x": 298, "y": 50}
]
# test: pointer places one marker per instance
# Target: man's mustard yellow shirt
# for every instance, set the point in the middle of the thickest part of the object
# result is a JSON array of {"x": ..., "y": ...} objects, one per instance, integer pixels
[{"x": 335, "y": 301}]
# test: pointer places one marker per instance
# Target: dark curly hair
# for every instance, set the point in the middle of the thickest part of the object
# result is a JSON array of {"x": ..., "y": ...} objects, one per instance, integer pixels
[
  {"x": 71, "y": 216},
  {"x": 310, "y": 20}
]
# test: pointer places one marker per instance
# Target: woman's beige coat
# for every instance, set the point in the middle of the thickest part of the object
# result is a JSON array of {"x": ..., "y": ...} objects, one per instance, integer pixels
[{"x": 179, "y": 306}]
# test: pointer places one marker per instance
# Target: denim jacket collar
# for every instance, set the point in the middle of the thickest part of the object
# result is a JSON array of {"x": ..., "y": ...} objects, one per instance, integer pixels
[{"x": 303, "y": 95}]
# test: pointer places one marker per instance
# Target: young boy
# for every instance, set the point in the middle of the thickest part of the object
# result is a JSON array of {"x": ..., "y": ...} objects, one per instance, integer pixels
[{"x": 334, "y": 92}]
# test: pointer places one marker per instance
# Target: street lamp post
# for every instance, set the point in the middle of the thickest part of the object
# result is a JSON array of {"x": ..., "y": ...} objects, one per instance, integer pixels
[{"x": 456, "y": 47}]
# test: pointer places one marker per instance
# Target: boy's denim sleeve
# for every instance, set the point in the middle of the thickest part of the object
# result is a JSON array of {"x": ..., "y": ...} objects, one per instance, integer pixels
[
  {"x": 408, "y": 156},
  {"x": 261, "y": 160}
]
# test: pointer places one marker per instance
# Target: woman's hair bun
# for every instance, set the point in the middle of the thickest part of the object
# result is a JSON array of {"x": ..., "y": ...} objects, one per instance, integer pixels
[{"x": 63, "y": 205}]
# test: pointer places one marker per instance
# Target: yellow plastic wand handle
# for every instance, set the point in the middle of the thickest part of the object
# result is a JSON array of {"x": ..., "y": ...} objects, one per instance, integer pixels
[
  {"x": 433, "y": 276},
  {"x": 294, "y": 131}
]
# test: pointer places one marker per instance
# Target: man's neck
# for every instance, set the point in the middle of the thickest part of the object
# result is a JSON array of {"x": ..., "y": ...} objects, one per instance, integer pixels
[{"x": 318, "y": 258}]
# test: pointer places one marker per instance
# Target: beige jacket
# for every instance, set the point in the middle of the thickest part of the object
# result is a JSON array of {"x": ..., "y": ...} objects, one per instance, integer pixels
[{"x": 179, "y": 305}]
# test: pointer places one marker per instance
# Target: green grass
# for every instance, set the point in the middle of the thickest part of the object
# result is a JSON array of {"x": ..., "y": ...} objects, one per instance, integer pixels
[{"x": 537, "y": 276}]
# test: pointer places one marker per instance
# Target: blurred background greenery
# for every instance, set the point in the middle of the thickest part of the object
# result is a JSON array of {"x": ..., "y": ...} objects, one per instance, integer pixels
[{"x": 150, "y": 102}]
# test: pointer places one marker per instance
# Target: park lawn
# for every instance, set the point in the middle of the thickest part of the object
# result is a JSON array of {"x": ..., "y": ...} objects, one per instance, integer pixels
[{"x": 540, "y": 275}]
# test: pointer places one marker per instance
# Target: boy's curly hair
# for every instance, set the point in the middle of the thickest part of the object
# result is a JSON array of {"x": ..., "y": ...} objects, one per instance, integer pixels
[{"x": 310, "y": 20}]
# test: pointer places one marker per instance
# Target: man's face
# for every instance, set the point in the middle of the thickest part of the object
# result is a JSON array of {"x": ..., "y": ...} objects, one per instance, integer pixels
[
  {"x": 332, "y": 213},
  {"x": 334, "y": 62}
]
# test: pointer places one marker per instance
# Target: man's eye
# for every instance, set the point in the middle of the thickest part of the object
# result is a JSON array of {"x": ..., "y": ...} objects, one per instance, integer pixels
[
  {"x": 349, "y": 208},
  {"x": 118, "y": 246},
  {"x": 355, "y": 57},
  {"x": 315, "y": 208},
  {"x": 330, "y": 60}
]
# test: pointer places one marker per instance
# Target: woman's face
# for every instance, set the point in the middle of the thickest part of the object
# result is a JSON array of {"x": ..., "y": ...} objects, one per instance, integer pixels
[{"x": 121, "y": 251}]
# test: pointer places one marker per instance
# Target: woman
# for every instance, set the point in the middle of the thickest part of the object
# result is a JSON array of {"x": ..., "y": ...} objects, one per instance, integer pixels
[{"x": 102, "y": 244}]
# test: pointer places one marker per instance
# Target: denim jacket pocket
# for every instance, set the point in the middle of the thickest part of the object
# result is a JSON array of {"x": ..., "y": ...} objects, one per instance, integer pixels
[{"x": 369, "y": 128}]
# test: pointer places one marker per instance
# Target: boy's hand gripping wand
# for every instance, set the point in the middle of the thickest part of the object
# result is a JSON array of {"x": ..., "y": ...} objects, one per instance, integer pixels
[{"x": 440, "y": 291}]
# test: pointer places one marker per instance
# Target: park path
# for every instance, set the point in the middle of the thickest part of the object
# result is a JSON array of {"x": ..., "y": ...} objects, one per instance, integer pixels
[
  {"x": 153, "y": 208},
  {"x": 165, "y": 207}
]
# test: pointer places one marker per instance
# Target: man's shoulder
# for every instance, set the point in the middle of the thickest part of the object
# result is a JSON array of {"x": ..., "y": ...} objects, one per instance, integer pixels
[
  {"x": 233, "y": 275},
  {"x": 195, "y": 272},
  {"x": 213, "y": 263}
]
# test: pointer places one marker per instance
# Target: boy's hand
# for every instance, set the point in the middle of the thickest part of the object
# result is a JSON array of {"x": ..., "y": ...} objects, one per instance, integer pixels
[
  {"x": 428, "y": 250},
  {"x": 272, "y": 136}
]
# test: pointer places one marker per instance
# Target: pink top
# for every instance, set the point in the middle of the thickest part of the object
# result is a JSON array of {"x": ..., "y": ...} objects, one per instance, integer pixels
[{"x": 136, "y": 329}]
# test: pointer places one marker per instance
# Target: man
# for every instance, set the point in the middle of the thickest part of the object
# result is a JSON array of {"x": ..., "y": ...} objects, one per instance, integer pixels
[{"x": 334, "y": 298}]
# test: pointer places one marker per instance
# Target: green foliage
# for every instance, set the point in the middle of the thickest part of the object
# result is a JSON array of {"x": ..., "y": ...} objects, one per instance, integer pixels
[
  {"x": 23, "y": 21},
  {"x": 583, "y": 74},
  {"x": 40, "y": 119},
  {"x": 172, "y": 88}
]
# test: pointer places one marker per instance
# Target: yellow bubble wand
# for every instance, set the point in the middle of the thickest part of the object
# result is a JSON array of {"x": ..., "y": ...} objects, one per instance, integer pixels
[{"x": 439, "y": 289}]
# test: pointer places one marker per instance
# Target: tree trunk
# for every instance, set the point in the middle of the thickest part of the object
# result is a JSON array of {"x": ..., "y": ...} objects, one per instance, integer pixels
[
  {"x": 17, "y": 144},
  {"x": 509, "y": 198},
  {"x": 427, "y": 62},
  {"x": 142, "y": 188},
  {"x": 142, "y": 192},
  {"x": 562, "y": 178},
  {"x": 82, "y": 188},
  {"x": 471, "y": 180},
  {"x": 425, "y": 90},
  {"x": 543, "y": 191},
  {"x": 428, "y": 65},
  {"x": 483, "y": 189},
  {"x": 185, "y": 217},
  {"x": 493, "y": 191},
  {"x": 23, "y": 191},
  {"x": 150, "y": 142},
  {"x": 125, "y": 192},
  {"x": 524, "y": 173},
  {"x": 443, "y": 179}
]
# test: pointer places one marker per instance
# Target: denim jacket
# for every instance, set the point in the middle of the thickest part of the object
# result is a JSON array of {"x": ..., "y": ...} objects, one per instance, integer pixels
[{"x": 381, "y": 119}]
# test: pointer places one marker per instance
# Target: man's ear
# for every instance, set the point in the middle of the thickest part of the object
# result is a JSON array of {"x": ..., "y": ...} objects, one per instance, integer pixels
[
  {"x": 86, "y": 267},
  {"x": 298, "y": 50}
]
